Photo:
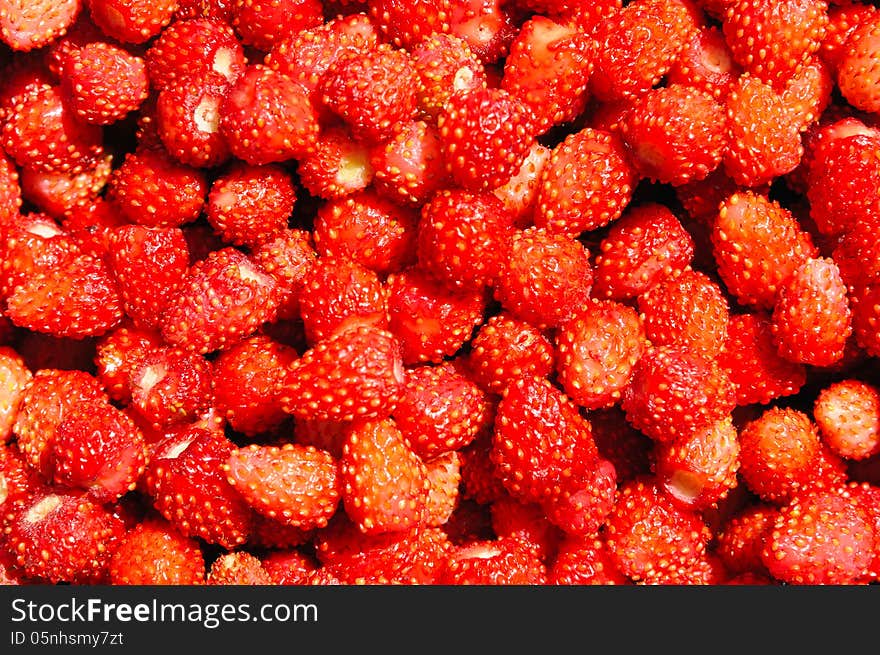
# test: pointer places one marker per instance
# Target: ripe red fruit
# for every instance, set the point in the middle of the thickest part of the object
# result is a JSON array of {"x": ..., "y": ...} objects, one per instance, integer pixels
[
  {"x": 32, "y": 25},
  {"x": 287, "y": 258},
  {"x": 740, "y": 539},
  {"x": 847, "y": 413},
  {"x": 504, "y": 561},
  {"x": 239, "y": 568},
  {"x": 155, "y": 553},
  {"x": 116, "y": 355},
  {"x": 857, "y": 74},
  {"x": 262, "y": 23},
  {"x": 584, "y": 561},
  {"x": 445, "y": 65},
  {"x": 132, "y": 21},
  {"x": 706, "y": 63},
  {"x": 14, "y": 380},
  {"x": 338, "y": 167}
]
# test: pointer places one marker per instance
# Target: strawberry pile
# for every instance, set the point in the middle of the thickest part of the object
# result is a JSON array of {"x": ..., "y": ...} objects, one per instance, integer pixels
[{"x": 436, "y": 292}]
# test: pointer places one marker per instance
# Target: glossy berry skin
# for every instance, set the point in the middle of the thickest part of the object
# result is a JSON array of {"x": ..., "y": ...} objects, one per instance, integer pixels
[
  {"x": 132, "y": 21},
  {"x": 847, "y": 413},
  {"x": 155, "y": 553},
  {"x": 857, "y": 72},
  {"x": 505, "y": 561}
]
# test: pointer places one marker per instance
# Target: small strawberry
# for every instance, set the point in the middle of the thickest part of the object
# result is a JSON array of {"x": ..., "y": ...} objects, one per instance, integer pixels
[
  {"x": 155, "y": 553},
  {"x": 262, "y": 23},
  {"x": 857, "y": 75},
  {"x": 520, "y": 193},
  {"x": 808, "y": 93},
  {"x": 596, "y": 350},
  {"x": 504, "y": 561},
  {"x": 843, "y": 20},
  {"x": 865, "y": 300},
  {"x": 526, "y": 522},
  {"x": 847, "y": 413},
  {"x": 584, "y": 561},
  {"x": 445, "y": 65},
  {"x": 857, "y": 253},
  {"x": 268, "y": 533},
  {"x": 10, "y": 196},
  {"x": 32, "y": 25},
  {"x": 293, "y": 484},
  {"x": 408, "y": 167},
  {"x": 187, "y": 485},
  {"x": 132, "y": 21},
  {"x": 356, "y": 373},
  {"x": 117, "y": 354},
  {"x": 407, "y": 24},
  {"x": 479, "y": 477},
  {"x": 64, "y": 537},
  {"x": 487, "y": 26},
  {"x": 61, "y": 194},
  {"x": 385, "y": 484},
  {"x": 287, "y": 258},
  {"x": 740, "y": 539},
  {"x": 706, "y": 63},
  {"x": 583, "y": 506},
  {"x": 339, "y": 165},
  {"x": 222, "y": 299},
  {"x": 289, "y": 567},
  {"x": 15, "y": 377},
  {"x": 32, "y": 243},
  {"x": 444, "y": 487},
  {"x": 239, "y": 568},
  {"x": 18, "y": 482}
]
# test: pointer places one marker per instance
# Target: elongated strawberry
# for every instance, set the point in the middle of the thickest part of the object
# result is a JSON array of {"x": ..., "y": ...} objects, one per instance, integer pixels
[
  {"x": 356, "y": 373},
  {"x": 385, "y": 484}
]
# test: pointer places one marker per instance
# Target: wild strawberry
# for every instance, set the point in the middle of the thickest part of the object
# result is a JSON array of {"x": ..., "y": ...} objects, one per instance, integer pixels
[
  {"x": 857, "y": 253},
  {"x": 293, "y": 484},
  {"x": 78, "y": 299},
  {"x": 541, "y": 441},
  {"x": 686, "y": 308},
  {"x": 675, "y": 134},
  {"x": 338, "y": 166},
  {"x": 811, "y": 317},
  {"x": 596, "y": 350},
  {"x": 289, "y": 567},
  {"x": 764, "y": 140},
  {"x": 223, "y": 299},
  {"x": 170, "y": 385},
  {"x": 40, "y": 131},
  {"x": 773, "y": 39},
  {"x": 385, "y": 484},
  {"x": 586, "y": 183},
  {"x": 757, "y": 370},
  {"x": 740, "y": 539},
  {"x": 631, "y": 452},
  {"x": 444, "y": 485},
  {"x": 262, "y": 23},
  {"x": 356, "y": 373},
  {"x": 287, "y": 258},
  {"x": 823, "y": 537},
  {"x": 674, "y": 391},
  {"x": 843, "y": 20},
  {"x": 482, "y": 154},
  {"x": 102, "y": 83},
  {"x": 857, "y": 74},
  {"x": 266, "y": 117},
  {"x": 117, "y": 354},
  {"x": 239, "y": 568},
  {"x": 505, "y": 561},
  {"x": 60, "y": 194},
  {"x": 584, "y": 561},
  {"x": 586, "y": 500},
  {"x": 64, "y": 537},
  {"x": 149, "y": 264},
  {"x": 847, "y": 413},
  {"x": 98, "y": 448},
  {"x": 32, "y": 243},
  {"x": 408, "y": 24},
  {"x": 187, "y": 485},
  {"x": 781, "y": 454},
  {"x": 10, "y": 196},
  {"x": 526, "y": 522},
  {"x": 865, "y": 301},
  {"x": 152, "y": 188},
  {"x": 637, "y": 46},
  {"x": 155, "y": 553},
  {"x": 479, "y": 476},
  {"x": 519, "y": 194},
  {"x": 867, "y": 496},
  {"x": 132, "y": 21},
  {"x": 368, "y": 229},
  {"x": 808, "y": 93},
  {"x": 430, "y": 320},
  {"x": 192, "y": 49},
  {"x": 14, "y": 380},
  {"x": 408, "y": 167},
  {"x": 757, "y": 244},
  {"x": 268, "y": 533},
  {"x": 648, "y": 536},
  {"x": 645, "y": 245},
  {"x": 91, "y": 223},
  {"x": 548, "y": 67},
  {"x": 18, "y": 481},
  {"x": 246, "y": 377},
  {"x": 545, "y": 276},
  {"x": 440, "y": 410},
  {"x": 445, "y": 65},
  {"x": 30, "y": 26},
  {"x": 706, "y": 63},
  {"x": 487, "y": 26}
]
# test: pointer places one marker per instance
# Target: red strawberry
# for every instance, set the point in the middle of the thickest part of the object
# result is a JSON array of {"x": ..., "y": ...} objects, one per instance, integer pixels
[
  {"x": 408, "y": 167},
  {"x": 444, "y": 484},
  {"x": 865, "y": 301},
  {"x": 369, "y": 229},
  {"x": 823, "y": 537},
  {"x": 583, "y": 506},
  {"x": 337, "y": 293},
  {"x": 648, "y": 536},
  {"x": 187, "y": 485},
  {"x": 740, "y": 538},
  {"x": 192, "y": 49},
  {"x": 289, "y": 567},
  {"x": 445, "y": 65},
  {"x": 32, "y": 25},
  {"x": 520, "y": 193},
  {"x": 239, "y": 568},
  {"x": 430, "y": 320},
  {"x": 505, "y": 561},
  {"x": 77, "y": 299},
  {"x": 596, "y": 350},
  {"x": 117, "y": 354},
  {"x": 772, "y": 39},
  {"x": 338, "y": 166},
  {"x": 482, "y": 154},
  {"x": 541, "y": 441},
  {"x": 527, "y": 523},
  {"x": 10, "y": 196},
  {"x": 14, "y": 380},
  {"x": 356, "y": 373},
  {"x": 293, "y": 484},
  {"x": 440, "y": 410},
  {"x": 675, "y": 391},
  {"x": 61, "y": 194},
  {"x": 273, "y": 534},
  {"x": 92, "y": 222},
  {"x": 847, "y": 413},
  {"x": 843, "y": 20},
  {"x": 857, "y": 253},
  {"x": 757, "y": 244},
  {"x": 675, "y": 134},
  {"x": 102, "y": 82},
  {"x": 686, "y": 308},
  {"x": 857, "y": 74},
  {"x": 544, "y": 277},
  {"x": 811, "y": 319},
  {"x": 267, "y": 117},
  {"x": 98, "y": 448},
  {"x": 33, "y": 243},
  {"x": 155, "y": 553},
  {"x": 287, "y": 258},
  {"x": 149, "y": 264},
  {"x": 755, "y": 367},
  {"x": 706, "y": 63},
  {"x": 586, "y": 183},
  {"x": 645, "y": 245},
  {"x": 262, "y": 23},
  {"x": 18, "y": 482},
  {"x": 151, "y": 188},
  {"x": 479, "y": 475},
  {"x": 407, "y": 24},
  {"x": 132, "y": 21},
  {"x": 584, "y": 561},
  {"x": 808, "y": 92},
  {"x": 223, "y": 299},
  {"x": 781, "y": 454},
  {"x": 385, "y": 484},
  {"x": 487, "y": 26}
]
